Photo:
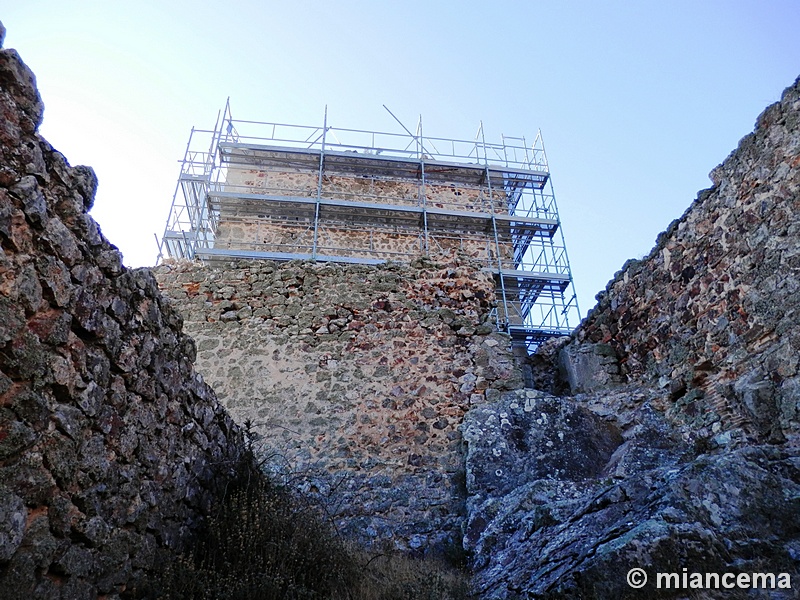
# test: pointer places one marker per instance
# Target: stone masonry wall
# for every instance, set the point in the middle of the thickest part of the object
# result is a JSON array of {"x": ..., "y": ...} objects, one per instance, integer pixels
[
  {"x": 358, "y": 188},
  {"x": 356, "y": 378},
  {"x": 263, "y": 233},
  {"x": 712, "y": 314},
  {"x": 111, "y": 446}
]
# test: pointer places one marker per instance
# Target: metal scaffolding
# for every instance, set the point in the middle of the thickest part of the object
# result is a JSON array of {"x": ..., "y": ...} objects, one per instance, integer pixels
[{"x": 331, "y": 194}]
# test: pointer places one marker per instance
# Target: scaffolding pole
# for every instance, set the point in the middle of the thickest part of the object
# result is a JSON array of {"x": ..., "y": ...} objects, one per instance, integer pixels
[
  {"x": 351, "y": 190},
  {"x": 319, "y": 184}
]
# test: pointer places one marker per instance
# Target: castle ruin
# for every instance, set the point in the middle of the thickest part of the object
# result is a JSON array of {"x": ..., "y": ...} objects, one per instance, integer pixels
[
  {"x": 270, "y": 191},
  {"x": 392, "y": 392},
  {"x": 354, "y": 293}
]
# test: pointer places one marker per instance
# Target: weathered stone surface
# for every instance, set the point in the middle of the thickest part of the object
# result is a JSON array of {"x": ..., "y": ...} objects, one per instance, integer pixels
[
  {"x": 567, "y": 528},
  {"x": 355, "y": 379},
  {"x": 589, "y": 367},
  {"x": 528, "y": 436},
  {"x": 718, "y": 296},
  {"x": 12, "y": 524},
  {"x": 704, "y": 475},
  {"x": 91, "y": 356},
  {"x": 578, "y": 539}
]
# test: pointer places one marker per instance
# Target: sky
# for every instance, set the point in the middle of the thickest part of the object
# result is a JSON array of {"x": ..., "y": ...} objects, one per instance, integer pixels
[{"x": 636, "y": 100}]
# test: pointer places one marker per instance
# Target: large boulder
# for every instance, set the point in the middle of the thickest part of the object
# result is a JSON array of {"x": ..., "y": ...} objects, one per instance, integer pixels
[{"x": 563, "y": 503}]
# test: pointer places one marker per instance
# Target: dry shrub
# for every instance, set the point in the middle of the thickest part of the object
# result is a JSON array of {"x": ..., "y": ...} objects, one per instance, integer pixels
[
  {"x": 397, "y": 576},
  {"x": 263, "y": 543}
]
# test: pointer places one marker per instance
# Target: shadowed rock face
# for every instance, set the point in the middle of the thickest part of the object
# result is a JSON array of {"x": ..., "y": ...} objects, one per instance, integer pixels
[
  {"x": 595, "y": 501},
  {"x": 111, "y": 447},
  {"x": 680, "y": 448}
]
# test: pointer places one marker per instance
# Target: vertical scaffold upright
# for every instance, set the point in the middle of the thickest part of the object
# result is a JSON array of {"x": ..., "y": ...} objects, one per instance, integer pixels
[{"x": 258, "y": 190}]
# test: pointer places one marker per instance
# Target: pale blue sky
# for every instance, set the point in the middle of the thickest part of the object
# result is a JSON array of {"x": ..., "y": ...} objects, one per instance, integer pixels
[{"x": 637, "y": 101}]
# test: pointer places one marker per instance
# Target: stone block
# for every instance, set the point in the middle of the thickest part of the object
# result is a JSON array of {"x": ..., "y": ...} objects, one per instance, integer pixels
[
  {"x": 13, "y": 517},
  {"x": 588, "y": 367}
]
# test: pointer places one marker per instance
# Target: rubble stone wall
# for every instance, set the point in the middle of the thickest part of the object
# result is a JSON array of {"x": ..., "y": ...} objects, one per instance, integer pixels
[
  {"x": 112, "y": 447},
  {"x": 711, "y": 315},
  {"x": 355, "y": 377},
  {"x": 242, "y": 228},
  {"x": 358, "y": 188},
  {"x": 265, "y": 234}
]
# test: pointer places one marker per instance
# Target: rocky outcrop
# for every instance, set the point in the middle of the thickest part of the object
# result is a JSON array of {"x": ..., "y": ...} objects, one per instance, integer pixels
[
  {"x": 678, "y": 450},
  {"x": 111, "y": 447},
  {"x": 356, "y": 378},
  {"x": 564, "y": 499}
]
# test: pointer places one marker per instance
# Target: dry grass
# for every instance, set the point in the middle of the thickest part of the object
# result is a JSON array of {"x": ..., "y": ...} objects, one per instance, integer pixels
[
  {"x": 399, "y": 577},
  {"x": 264, "y": 543}
]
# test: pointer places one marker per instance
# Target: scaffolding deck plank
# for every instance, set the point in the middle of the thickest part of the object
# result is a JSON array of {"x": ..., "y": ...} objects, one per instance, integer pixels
[
  {"x": 533, "y": 275},
  {"x": 222, "y": 253},
  {"x": 528, "y": 285},
  {"x": 530, "y": 334},
  {"x": 387, "y": 164},
  {"x": 438, "y": 218},
  {"x": 234, "y": 253},
  {"x": 193, "y": 178}
]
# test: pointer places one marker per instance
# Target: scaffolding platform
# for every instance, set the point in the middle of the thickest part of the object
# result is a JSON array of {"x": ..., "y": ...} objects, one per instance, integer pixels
[
  {"x": 257, "y": 190},
  {"x": 352, "y": 162},
  {"x": 303, "y": 208}
]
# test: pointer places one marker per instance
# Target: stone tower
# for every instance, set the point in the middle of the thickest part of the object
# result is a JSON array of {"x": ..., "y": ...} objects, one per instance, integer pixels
[
  {"x": 271, "y": 191},
  {"x": 354, "y": 293}
]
